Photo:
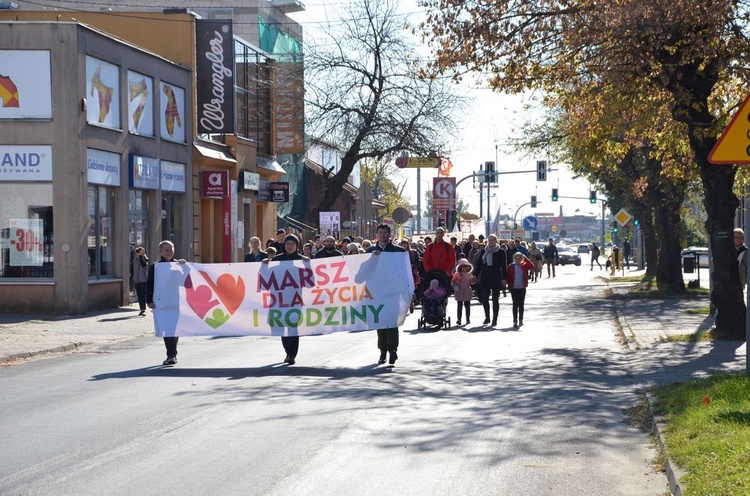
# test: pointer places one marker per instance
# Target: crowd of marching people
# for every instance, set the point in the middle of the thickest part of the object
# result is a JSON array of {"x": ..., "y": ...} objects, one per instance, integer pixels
[{"x": 477, "y": 268}]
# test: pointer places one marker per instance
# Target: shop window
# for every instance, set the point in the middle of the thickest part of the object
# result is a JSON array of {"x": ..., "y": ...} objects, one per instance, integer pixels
[
  {"x": 26, "y": 230},
  {"x": 171, "y": 218},
  {"x": 101, "y": 245},
  {"x": 139, "y": 206}
]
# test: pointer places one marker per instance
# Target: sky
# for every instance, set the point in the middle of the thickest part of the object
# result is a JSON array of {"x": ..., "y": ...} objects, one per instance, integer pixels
[{"x": 491, "y": 121}]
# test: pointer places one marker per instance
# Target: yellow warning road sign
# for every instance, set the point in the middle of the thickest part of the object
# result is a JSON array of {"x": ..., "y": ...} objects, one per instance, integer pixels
[{"x": 733, "y": 146}]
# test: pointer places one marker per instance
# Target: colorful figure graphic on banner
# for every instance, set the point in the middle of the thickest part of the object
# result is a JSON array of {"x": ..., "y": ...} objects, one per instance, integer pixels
[
  {"x": 138, "y": 88},
  {"x": 104, "y": 91},
  {"x": 8, "y": 92},
  {"x": 172, "y": 112},
  {"x": 445, "y": 167}
]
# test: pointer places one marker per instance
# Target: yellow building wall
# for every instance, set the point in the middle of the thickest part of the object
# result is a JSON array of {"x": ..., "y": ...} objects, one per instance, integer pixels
[{"x": 169, "y": 35}]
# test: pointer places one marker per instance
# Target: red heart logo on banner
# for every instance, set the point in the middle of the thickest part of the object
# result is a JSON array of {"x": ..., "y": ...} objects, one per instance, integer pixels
[
  {"x": 200, "y": 298},
  {"x": 231, "y": 292}
]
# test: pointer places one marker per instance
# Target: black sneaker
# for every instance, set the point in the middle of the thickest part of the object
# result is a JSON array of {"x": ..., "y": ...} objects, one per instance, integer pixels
[
  {"x": 170, "y": 361},
  {"x": 381, "y": 360},
  {"x": 393, "y": 358}
]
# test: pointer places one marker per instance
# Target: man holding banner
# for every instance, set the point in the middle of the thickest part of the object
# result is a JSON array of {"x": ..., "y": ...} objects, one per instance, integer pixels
[{"x": 387, "y": 338}]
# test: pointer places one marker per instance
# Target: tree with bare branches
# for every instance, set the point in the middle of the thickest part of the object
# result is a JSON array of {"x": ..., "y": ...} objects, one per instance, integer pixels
[{"x": 367, "y": 93}]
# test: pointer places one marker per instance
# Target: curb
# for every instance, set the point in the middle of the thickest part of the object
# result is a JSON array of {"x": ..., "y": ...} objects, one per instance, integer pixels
[
  {"x": 673, "y": 472},
  {"x": 30, "y": 354}
]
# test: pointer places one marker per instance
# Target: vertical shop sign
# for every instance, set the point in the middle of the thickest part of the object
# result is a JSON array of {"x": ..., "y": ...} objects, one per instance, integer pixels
[{"x": 214, "y": 46}]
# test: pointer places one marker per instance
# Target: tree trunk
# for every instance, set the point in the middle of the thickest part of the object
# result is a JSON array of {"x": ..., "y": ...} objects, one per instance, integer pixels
[
  {"x": 652, "y": 252},
  {"x": 669, "y": 270},
  {"x": 334, "y": 184},
  {"x": 726, "y": 293},
  {"x": 691, "y": 85},
  {"x": 643, "y": 212}
]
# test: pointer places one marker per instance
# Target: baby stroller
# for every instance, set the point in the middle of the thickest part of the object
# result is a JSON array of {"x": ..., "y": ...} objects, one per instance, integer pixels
[{"x": 433, "y": 309}]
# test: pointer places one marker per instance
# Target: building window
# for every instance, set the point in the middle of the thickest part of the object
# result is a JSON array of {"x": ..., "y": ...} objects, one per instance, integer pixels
[
  {"x": 26, "y": 230},
  {"x": 139, "y": 205},
  {"x": 101, "y": 207},
  {"x": 171, "y": 217}
]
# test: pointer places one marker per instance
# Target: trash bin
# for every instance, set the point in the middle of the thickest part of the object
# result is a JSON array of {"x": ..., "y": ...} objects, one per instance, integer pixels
[{"x": 688, "y": 264}]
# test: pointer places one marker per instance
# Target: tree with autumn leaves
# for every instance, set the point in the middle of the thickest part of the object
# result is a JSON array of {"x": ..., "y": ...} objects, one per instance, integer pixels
[{"x": 690, "y": 52}]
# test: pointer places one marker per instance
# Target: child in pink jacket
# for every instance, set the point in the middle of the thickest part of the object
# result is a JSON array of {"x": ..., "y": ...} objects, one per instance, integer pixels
[{"x": 461, "y": 282}]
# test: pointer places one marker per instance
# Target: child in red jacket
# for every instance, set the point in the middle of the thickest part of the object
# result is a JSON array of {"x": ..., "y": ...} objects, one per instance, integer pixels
[{"x": 518, "y": 279}]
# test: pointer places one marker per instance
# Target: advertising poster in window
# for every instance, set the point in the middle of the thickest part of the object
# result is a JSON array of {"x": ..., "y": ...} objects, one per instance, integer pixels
[
  {"x": 26, "y": 242},
  {"x": 140, "y": 104},
  {"x": 172, "y": 113},
  {"x": 102, "y": 93},
  {"x": 25, "y": 84},
  {"x": 330, "y": 224}
]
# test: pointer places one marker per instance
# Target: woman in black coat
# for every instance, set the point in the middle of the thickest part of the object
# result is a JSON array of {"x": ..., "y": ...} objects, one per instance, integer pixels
[
  {"x": 490, "y": 268},
  {"x": 291, "y": 252}
]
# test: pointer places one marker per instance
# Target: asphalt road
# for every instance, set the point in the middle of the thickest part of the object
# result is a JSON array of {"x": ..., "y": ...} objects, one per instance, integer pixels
[{"x": 466, "y": 411}]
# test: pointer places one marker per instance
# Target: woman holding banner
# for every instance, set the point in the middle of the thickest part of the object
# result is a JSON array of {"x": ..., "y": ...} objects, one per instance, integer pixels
[{"x": 291, "y": 252}]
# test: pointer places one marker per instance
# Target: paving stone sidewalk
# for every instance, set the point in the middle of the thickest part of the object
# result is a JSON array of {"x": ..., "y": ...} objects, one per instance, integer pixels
[{"x": 23, "y": 336}]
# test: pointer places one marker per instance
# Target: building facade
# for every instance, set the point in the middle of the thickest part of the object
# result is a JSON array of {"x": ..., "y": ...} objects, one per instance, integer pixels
[{"x": 95, "y": 159}]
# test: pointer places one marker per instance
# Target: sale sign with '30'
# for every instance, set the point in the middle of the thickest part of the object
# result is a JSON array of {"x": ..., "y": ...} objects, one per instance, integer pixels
[
  {"x": 288, "y": 298},
  {"x": 26, "y": 242}
]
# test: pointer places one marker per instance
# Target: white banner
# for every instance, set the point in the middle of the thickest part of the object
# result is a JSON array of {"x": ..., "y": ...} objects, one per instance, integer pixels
[{"x": 290, "y": 298}]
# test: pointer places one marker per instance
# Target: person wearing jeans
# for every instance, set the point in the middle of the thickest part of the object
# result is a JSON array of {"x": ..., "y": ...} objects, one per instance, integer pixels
[{"x": 518, "y": 280}]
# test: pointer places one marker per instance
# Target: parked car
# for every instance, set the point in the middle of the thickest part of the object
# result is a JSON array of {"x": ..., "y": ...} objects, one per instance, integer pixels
[
  {"x": 583, "y": 248},
  {"x": 701, "y": 251},
  {"x": 567, "y": 256}
]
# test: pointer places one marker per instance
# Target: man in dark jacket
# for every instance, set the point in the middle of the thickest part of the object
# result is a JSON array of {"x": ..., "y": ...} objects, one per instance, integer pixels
[
  {"x": 387, "y": 338},
  {"x": 166, "y": 254},
  {"x": 329, "y": 249},
  {"x": 550, "y": 257}
]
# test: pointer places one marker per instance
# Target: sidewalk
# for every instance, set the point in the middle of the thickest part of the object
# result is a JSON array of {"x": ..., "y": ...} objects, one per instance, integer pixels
[
  {"x": 647, "y": 322},
  {"x": 23, "y": 336}
]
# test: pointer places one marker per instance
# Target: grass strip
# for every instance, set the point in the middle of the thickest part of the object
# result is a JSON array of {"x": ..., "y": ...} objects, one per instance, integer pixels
[{"x": 708, "y": 432}]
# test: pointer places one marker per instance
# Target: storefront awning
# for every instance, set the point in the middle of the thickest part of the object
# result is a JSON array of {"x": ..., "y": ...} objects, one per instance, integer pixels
[
  {"x": 297, "y": 224},
  {"x": 215, "y": 153},
  {"x": 270, "y": 165}
]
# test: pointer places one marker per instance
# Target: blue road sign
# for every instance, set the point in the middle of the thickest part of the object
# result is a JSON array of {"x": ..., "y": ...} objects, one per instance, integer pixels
[{"x": 530, "y": 223}]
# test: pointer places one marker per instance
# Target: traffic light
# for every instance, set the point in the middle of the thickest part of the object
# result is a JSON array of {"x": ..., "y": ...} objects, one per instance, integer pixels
[
  {"x": 541, "y": 170},
  {"x": 554, "y": 194},
  {"x": 592, "y": 196},
  {"x": 636, "y": 223},
  {"x": 454, "y": 218},
  {"x": 614, "y": 229},
  {"x": 489, "y": 172},
  {"x": 533, "y": 202}
]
